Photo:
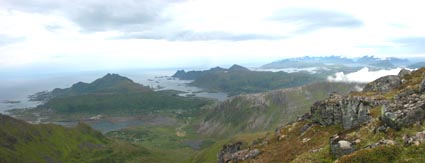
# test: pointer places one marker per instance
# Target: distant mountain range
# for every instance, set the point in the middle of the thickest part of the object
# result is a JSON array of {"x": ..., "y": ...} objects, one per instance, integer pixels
[{"x": 365, "y": 61}]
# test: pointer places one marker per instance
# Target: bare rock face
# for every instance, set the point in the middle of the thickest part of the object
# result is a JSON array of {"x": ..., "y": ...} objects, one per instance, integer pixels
[
  {"x": 345, "y": 110},
  {"x": 340, "y": 147},
  {"x": 383, "y": 84}
]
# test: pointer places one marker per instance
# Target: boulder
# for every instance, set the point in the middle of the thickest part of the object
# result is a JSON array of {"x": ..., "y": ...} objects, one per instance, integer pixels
[
  {"x": 383, "y": 84},
  {"x": 403, "y": 73},
  {"x": 340, "y": 147}
]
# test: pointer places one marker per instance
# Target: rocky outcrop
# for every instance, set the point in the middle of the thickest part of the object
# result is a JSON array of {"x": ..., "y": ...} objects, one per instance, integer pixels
[
  {"x": 382, "y": 143},
  {"x": 383, "y": 84},
  {"x": 226, "y": 152},
  {"x": 340, "y": 147},
  {"x": 346, "y": 110},
  {"x": 416, "y": 139},
  {"x": 233, "y": 153},
  {"x": 422, "y": 86},
  {"x": 407, "y": 108}
]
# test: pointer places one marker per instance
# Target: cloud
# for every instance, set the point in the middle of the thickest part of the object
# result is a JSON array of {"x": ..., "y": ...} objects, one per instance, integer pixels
[
  {"x": 5, "y": 40},
  {"x": 98, "y": 15},
  {"x": 362, "y": 76},
  {"x": 412, "y": 44},
  {"x": 198, "y": 36},
  {"x": 314, "y": 19}
]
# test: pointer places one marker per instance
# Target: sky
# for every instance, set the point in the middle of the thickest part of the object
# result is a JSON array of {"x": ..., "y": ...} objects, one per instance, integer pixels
[{"x": 55, "y": 35}]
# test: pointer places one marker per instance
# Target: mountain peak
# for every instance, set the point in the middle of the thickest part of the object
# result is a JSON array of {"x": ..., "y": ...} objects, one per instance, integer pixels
[{"x": 236, "y": 67}]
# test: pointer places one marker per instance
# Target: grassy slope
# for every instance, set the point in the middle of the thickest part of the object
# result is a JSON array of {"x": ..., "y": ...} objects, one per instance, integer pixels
[{"x": 23, "y": 142}]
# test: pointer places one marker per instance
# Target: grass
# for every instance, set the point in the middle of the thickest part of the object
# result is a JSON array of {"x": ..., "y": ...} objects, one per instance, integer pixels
[{"x": 23, "y": 142}]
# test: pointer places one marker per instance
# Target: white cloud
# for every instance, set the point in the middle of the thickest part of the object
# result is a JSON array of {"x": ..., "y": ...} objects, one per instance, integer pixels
[
  {"x": 362, "y": 76},
  {"x": 186, "y": 33}
]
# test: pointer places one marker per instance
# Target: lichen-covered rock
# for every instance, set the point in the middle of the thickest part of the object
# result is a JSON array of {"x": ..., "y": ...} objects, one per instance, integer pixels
[
  {"x": 403, "y": 111},
  {"x": 383, "y": 84},
  {"x": 345, "y": 110},
  {"x": 340, "y": 147}
]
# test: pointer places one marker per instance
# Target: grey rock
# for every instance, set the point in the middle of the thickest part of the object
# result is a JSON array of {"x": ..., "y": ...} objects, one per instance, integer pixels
[
  {"x": 381, "y": 143},
  {"x": 418, "y": 138},
  {"x": 225, "y": 155},
  {"x": 404, "y": 111},
  {"x": 422, "y": 86},
  {"x": 383, "y": 84},
  {"x": 403, "y": 73},
  {"x": 349, "y": 111}
]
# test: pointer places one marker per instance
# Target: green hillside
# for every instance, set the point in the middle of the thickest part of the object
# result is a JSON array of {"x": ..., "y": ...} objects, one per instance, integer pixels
[{"x": 23, "y": 142}]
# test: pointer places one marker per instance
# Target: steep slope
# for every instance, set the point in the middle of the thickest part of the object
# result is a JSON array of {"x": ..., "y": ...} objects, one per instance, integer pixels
[
  {"x": 23, "y": 142},
  {"x": 383, "y": 123},
  {"x": 265, "y": 111}
]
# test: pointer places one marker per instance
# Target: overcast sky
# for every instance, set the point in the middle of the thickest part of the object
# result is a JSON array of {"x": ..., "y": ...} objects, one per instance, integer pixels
[{"x": 112, "y": 34}]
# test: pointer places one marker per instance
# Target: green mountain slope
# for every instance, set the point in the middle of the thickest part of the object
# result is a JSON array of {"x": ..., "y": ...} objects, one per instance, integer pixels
[
  {"x": 23, "y": 142},
  {"x": 264, "y": 111}
]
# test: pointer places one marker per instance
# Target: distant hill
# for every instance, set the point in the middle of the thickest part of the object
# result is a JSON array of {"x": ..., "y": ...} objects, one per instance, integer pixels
[
  {"x": 110, "y": 83},
  {"x": 417, "y": 65},
  {"x": 237, "y": 79},
  {"x": 113, "y": 94},
  {"x": 23, "y": 142}
]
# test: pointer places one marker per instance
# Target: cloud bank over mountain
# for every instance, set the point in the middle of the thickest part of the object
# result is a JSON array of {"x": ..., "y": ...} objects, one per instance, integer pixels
[{"x": 362, "y": 76}]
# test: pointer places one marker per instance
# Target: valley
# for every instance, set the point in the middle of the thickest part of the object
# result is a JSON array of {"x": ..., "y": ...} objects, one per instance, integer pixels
[{"x": 171, "y": 126}]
